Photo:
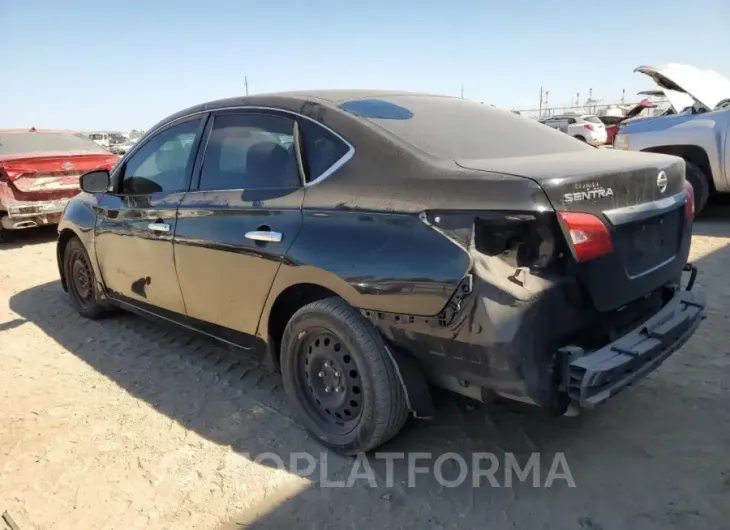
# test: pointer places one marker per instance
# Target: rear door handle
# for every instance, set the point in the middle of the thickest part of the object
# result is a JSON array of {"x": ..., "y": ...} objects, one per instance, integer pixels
[
  {"x": 264, "y": 236},
  {"x": 159, "y": 227}
]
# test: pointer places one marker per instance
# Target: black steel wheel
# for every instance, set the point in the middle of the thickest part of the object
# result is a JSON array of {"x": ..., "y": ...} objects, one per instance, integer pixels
[
  {"x": 340, "y": 379},
  {"x": 330, "y": 374},
  {"x": 81, "y": 281}
]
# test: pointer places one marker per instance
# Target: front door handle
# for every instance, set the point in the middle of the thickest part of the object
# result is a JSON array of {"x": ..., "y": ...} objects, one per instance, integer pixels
[
  {"x": 265, "y": 236},
  {"x": 159, "y": 227}
]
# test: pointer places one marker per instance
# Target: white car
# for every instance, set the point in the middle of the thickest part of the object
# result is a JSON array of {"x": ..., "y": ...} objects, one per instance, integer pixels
[
  {"x": 101, "y": 139},
  {"x": 586, "y": 128}
]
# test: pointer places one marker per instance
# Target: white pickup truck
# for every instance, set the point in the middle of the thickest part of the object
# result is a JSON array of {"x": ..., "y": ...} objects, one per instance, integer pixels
[{"x": 699, "y": 134}]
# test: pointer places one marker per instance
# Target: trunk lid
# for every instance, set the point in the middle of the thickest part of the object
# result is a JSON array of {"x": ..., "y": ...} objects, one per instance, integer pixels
[
  {"x": 52, "y": 173},
  {"x": 640, "y": 199}
]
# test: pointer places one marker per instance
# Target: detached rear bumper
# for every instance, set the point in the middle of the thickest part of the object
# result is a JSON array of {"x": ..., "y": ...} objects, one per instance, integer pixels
[{"x": 591, "y": 379}]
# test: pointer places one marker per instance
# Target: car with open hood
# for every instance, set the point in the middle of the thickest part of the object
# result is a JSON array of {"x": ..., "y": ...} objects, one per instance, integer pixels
[
  {"x": 612, "y": 123},
  {"x": 372, "y": 244},
  {"x": 698, "y": 134}
]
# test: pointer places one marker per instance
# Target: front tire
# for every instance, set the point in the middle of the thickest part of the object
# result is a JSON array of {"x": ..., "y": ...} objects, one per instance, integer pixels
[
  {"x": 700, "y": 184},
  {"x": 81, "y": 280},
  {"x": 340, "y": 379}
]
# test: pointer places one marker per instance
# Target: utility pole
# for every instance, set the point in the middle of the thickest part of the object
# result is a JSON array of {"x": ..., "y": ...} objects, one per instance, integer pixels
[
  {"x": 539, "y": 113},
  {"x": 245, "y": 83}
]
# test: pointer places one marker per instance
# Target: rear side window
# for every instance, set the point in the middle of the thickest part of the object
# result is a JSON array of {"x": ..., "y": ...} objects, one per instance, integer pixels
[
  {"x": 39, "y": 142},
  {"x": 321, "y": 149},
  {"x": 455, "y": 128},
  {"x": 250, "y": 151}
]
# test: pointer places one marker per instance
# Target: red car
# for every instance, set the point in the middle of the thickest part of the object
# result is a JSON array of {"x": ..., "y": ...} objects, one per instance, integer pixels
[
  {"x": 39, "y": 173},
  {"x": 612, "y": 122}
]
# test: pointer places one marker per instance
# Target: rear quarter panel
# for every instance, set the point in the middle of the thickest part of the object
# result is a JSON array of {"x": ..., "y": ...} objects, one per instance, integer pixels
[{"x": 378, "y": 261}]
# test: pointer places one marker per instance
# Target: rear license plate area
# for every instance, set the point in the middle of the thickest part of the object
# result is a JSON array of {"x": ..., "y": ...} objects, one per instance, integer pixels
[{"x": 649, "y": 243}]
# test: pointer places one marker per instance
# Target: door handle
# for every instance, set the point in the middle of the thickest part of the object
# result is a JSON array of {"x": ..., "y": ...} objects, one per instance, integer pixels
[
  {"x": 159, "y": 227},
  {"x": 265, "y": 236}
]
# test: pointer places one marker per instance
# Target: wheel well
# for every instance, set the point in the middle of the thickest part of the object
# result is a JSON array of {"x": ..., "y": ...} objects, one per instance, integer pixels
[
  {"x": 289, "y": 301},
  {"x": 691, "y": 153},
  {"x": 63, "y": 238}
]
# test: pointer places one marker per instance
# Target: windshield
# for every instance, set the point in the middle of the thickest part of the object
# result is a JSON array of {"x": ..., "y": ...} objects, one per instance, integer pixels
[
  {"x": 39, "y": 142},
  {"x": 461, "y": 129}
]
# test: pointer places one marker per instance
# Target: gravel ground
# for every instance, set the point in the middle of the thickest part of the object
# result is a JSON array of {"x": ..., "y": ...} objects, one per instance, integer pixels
[{"x": 127, "y": 424}]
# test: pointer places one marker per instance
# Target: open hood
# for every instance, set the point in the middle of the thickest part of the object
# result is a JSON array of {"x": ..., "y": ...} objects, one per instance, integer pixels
[{"x": 707, "y": 87}]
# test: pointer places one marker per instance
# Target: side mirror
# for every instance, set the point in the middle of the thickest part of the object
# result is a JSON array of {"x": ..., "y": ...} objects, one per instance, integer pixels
[{"x": 96, "y": 181}]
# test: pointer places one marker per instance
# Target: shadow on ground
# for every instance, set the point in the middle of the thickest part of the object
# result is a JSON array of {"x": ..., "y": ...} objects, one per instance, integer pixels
[
  {"x": 15, "y": 239},
  {"x": 632, "y": 462}
]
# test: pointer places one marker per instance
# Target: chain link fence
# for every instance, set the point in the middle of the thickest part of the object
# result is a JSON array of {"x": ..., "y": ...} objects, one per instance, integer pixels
[{"x": 598, "y": 109}]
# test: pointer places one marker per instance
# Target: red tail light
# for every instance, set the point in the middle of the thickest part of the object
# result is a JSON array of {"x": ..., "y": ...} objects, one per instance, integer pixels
[
  {"x": 589, "y": 236},
  {"x": 689, "y": 203},
  {"x": 589, "y": 126}
]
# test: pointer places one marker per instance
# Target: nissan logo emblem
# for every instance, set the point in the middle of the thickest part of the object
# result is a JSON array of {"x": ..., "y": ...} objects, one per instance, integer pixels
[{"x": 661, "y": 182}]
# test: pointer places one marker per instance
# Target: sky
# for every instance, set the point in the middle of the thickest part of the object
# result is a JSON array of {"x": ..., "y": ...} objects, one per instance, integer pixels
[{"x": 123, "y": 64}]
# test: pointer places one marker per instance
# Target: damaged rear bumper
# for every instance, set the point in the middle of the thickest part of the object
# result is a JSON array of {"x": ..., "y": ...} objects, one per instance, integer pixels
[
  {"x": 28, "y": 214},
  {"x": 590, "y": 379}
]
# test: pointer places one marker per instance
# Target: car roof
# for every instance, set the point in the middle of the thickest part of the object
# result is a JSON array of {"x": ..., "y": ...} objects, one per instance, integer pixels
[
  {"x": 334, "y": 96},
  {"x": 293, "y": 101}
]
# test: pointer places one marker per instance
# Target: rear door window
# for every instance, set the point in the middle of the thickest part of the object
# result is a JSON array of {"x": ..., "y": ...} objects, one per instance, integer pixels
[{"x": 250, "y": 151}]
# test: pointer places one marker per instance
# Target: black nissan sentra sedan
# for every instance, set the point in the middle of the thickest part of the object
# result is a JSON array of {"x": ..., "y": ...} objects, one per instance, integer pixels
[{"x": 376, "y": 243}]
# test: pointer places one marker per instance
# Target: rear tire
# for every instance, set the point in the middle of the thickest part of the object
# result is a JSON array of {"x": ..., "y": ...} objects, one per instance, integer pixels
[
  {"x": 329, "y": 345},
  {"x": 700, "y": 184},
  {"x": 581, "y": 138},
  {"x": 81, "y": 280}
]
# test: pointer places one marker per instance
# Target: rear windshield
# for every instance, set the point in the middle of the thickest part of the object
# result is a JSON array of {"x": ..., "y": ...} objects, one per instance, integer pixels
[
  {"x": 457, "y": 128},
  {"x": 592, "y": 119},
  {"x": 37, "y": 142},
  {"x": 610, "y": 120}
]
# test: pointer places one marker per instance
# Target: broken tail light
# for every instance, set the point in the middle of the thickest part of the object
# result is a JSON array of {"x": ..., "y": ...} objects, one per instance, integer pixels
[
  {"x": 520, "y": 239},
  {"x": 589, "y": 236}
]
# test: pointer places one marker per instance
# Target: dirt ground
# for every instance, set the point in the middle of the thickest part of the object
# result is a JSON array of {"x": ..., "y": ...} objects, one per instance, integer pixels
[{"x": 127, "y": 424}]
